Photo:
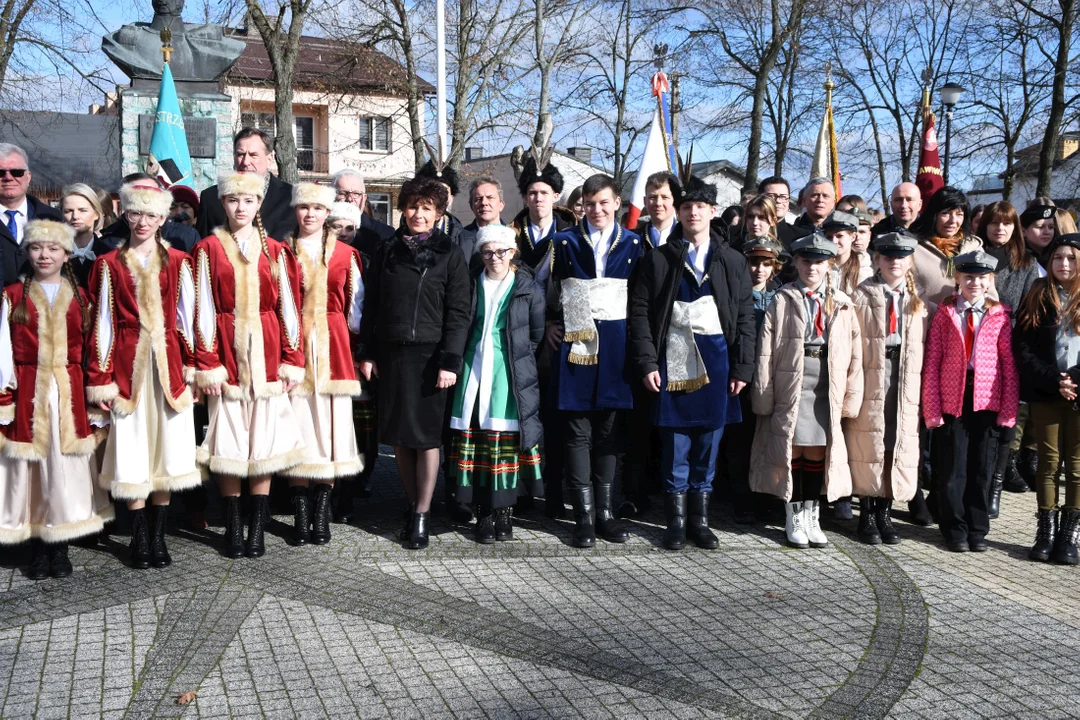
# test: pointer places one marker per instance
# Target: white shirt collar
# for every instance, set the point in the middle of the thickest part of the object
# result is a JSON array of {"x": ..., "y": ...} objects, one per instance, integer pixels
[
  {"x": 599, "y": 236},
  {"x": 962, "y": 305},
  {"x": 540, "y": 232},
  {"x": 660, "y": 236}
]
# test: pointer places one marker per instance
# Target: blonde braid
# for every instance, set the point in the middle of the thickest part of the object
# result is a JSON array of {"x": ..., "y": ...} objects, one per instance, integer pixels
[
  {"x": 266, "y": 247},
  {"x": 916, "y": 301},
  {"x": 84, "y": 307},
  {"x": 21, "y": 315},
  {"x": 325, "y": 239},
  {"x": 830, "y": 304}
]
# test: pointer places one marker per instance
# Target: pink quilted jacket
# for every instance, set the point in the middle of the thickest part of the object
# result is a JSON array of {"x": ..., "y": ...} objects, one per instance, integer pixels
[{"x": 944, "y": 369}]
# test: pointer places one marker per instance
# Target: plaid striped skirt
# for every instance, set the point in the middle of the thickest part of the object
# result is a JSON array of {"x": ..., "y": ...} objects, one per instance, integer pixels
[{"x": 489, "y": 468}]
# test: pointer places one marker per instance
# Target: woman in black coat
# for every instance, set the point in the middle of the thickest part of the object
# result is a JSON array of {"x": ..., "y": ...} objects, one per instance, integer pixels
[
  {"x": 495, "y": 415},
  {"x": 412, "y": 335}
]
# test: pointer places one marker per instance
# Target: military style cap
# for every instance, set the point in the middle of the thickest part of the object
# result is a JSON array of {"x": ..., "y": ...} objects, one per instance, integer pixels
[
  {"x": 1036, "y": 212},
  {"x": 976, "y": 262},
  {"x": 864, "y": 216},
  {"x": 892, "y": 244},
  {"x": 1070, "y": 239},
  {"x": 838, "y": 220},
  {"x": 697, "y": 190},
  {"x": 815, "y": 246},
  {"x": 762, "y": 246}
]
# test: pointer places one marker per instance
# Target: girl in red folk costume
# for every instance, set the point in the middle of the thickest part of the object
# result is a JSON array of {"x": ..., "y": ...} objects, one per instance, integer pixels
[
  {"x": 333, "y": 302},
  {"x": 48, "y": 486},
  {"x": 140, "y": 363},
  {"x": 248, "y": 356}
]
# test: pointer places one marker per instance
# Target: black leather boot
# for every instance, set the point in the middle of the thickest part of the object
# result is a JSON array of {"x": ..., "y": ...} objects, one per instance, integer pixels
[
  {"x": 675, "y": 509},
  {"x": 418, "y": 538},
  {"x": 320, "y": 524},
  {"x": 504, "y": 524},
  {"x": 920, "y": 513},
  {"x": 140, "y": 540},
  {"x": 38, "y": 569},
  {"x": 842, "y": 509},
  {"x": 485, "y": 525},
  {"x": 883, "y": 519},
  {"x": 553, "y": 499},
  {"x": 1027, "y": 462},
  {"x": 1045, "y": 532},
  {"x": 607, "y": 526},
  {"x": 584, "y": 518},
  {"x": 260, "y": 514},
  {"x": 234, "y": 528},
  {"x": 59, "y": 564},
  {"x": 697, "y": 527},
  {"x": 159, "y": 552},
  {"x": 868, "y": 529},
  {"x": 993, "y": 507},
  {"x": 1065, "y": 542},
  {"x": 301, "y": 501},
  {"x": 406, "y": 529},
  {"x": 1012, "y": 482}
]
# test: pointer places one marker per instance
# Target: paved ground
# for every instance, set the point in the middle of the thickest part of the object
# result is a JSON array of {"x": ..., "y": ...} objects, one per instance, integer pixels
[{"x": 535, "y": 628}]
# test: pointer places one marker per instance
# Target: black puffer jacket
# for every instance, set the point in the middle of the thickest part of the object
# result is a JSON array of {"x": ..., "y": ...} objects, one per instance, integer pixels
[
  {"x": 653, "y": 292},
  {"x": 1036, "y": 356},
  {"x": 417, "y": 297},
  {"x": 524, "y": 331}
]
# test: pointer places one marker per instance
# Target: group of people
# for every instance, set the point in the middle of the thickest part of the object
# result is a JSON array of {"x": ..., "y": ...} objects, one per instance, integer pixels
[{"x": 264, "y": 330}]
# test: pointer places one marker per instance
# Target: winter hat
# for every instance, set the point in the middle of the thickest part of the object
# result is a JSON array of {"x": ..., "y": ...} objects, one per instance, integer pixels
[
  {"x": 50, "y": 231},
  {"x": 144, "y": 199},
  {"x": 500, "y": 236},
  {"x": 241, "y": 184},
  {"x": 313, "y": 194}
]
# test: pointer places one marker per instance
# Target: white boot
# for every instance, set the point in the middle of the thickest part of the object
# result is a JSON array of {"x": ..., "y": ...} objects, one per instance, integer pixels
[
  {"x": 794, "y": 527},
  {"x": 812, "y": 523}
]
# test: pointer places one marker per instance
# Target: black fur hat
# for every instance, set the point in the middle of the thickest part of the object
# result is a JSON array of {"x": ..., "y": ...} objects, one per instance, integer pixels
[
  {"x": 697, "y": 190},
  {"x": 549, "y": 175},
  {"x": 446, "y": 175}
]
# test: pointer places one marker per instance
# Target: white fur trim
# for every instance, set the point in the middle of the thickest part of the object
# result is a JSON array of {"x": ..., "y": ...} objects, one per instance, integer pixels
[
  {"x": 7, "y": 412},
  {"x": 327, "y": 471},
  {"x": 49, "y": 231},
  {"x": 291, "y": 373},
  {"x": 75, "y": 530},
  {"x": 251, "y": 468},
  {"x": 313, "y": 194},
  {"x": 501, "y": 236},
  {"x": 145, "y": 199},
  {"x": 209, "y": 378},
  {"x": 346, "y": 211},
  {"x": 240, "y": 183},
  {"x": 96, "y": 394},
  {"x": 14, "y": 536},
  {"x": 189, "y": 374}
]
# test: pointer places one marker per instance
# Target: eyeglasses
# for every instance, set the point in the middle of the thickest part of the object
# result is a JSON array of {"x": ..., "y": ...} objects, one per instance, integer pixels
[
  {"x": 350, "y": 196},
  {"x": 134, "y": 216},
  {"x": 16, "y": 173},
  {"x": 500, "y": 253},
  {"x": 777, "y": 197}
]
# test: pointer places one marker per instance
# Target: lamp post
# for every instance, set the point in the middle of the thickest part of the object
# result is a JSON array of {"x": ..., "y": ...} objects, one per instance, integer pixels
[{"x": 950, "y": 96}]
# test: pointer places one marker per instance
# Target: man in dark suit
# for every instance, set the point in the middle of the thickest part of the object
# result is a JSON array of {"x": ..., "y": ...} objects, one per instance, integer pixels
[
  {"x": 486, "y": 202},
  {"x": 350, "y": 188},
  {"x": 253, "y": 151},
  {"x": 18, "y": 209},
  {"x": 905, "y": 202}
]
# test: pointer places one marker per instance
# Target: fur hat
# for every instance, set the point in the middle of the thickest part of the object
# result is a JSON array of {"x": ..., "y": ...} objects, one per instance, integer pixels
[
  {"x": 697, "y": 190},
  {"x": 313, "y": 194},
  {"x": 240, "y": 183},
  {"x": 445, "y": 175},
  {"x": 345, "y": 211},
  {"x": 497, "y": 235},
  {"x": 50, "y": 231},
  {"x": 549, "y": 175},
  {"x": 144, "y": 199}
]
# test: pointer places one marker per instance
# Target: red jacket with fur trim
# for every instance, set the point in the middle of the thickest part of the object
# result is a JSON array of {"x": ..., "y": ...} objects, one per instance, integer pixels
[
  {"x": 333, "y": 297},
  {"x": 48, "y": 347},
  {"x": 240, "y": 304},
  {"x": 139, "y": 312}
]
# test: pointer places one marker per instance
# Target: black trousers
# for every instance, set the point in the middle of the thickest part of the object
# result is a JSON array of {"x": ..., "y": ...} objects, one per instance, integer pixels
[
  {"x": 592, "y": 447},
  {"x": 735, "y": 449},
  {"x": 966, "y": 453},
  {"x": 554, "y": 450},
  {"x": 641, "y": 464}
]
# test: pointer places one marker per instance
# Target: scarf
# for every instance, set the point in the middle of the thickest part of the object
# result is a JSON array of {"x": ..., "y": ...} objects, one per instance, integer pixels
[{"x": 414, "y": 241}]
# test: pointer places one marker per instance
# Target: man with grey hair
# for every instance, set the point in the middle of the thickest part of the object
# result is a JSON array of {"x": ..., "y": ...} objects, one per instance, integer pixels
[
  {"x": 818, "y": 200},
  {"x": 19, "y": 208},
  {"x": 486, "y": 201},
  {"x": 350, "y": 187}
]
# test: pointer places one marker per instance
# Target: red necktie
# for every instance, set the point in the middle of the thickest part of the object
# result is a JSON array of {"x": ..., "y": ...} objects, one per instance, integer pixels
[
  {"x": 969, "y": 333},
  {"x": 819, "y": 321},
  {"x": 892, "y": 314}
]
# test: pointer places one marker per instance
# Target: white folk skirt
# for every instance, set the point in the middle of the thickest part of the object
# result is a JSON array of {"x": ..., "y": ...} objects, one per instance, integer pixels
[
  {"x": 326, "y": 425},
  {"x": 152, "y": 449},
  {"x": 56, "y": 499},
  {"x": 253, "y": 437}
]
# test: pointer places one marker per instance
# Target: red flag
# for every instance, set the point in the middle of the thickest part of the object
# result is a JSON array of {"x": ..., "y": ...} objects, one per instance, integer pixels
[{"x": 929, "y": 178}]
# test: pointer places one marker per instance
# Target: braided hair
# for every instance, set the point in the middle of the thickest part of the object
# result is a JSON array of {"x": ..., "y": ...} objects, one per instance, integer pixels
[
  {"x": 266, "y": 247},
  {"x": 20, "y": 315}
]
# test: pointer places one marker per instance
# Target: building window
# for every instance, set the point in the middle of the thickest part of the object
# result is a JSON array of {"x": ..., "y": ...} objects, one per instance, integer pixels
[
  {"x": 379, "y": 203},
  {"x": 260, "y": 121},
  {"x": 375, "y": 134},
  {"x": 305, "y": 143}
]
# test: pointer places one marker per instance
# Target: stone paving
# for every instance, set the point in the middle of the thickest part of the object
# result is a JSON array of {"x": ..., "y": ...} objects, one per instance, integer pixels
[{"x": 534, "y": 628}]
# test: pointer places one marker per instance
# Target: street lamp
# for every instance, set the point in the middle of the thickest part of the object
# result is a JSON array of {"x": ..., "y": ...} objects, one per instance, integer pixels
[{"x": 950, "y": 96}]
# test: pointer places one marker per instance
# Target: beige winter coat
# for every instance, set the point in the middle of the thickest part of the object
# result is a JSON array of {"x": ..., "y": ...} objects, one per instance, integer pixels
[
  {"x": 778, "y": 384},
  {"x": 865, "y": 434},
  {"x": 933, "y": 269}
]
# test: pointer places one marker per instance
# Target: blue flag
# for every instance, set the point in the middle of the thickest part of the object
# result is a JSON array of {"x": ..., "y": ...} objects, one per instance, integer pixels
[{"x": 169, "y": 159}]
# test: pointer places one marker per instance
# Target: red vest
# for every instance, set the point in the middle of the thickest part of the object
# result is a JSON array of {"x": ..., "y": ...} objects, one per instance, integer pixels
[
  {"x": 142, "y": 304},
  {"x": 48, "y": 347},
  {"x": 248, "y": 308}
]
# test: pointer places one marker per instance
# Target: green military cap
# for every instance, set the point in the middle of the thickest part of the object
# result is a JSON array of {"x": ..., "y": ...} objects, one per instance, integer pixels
[
  {"x": 838, "y": 220},
  {"x": 815, "y": 246},
  {"x": 976, "y": 262},
  {"x": 762, "y": 246},
  {"x": 892, "y": 244},
  {"x": 864, "y": 216}
]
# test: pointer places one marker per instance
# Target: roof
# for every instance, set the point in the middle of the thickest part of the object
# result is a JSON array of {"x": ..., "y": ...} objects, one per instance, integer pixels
[
  {"x": 557, "y": 153},
  {"x": 1026, "y": 160},
  {"x": 66, "y": 147},
  {"x": 323, "y": 63},
  {"x": 712, "y": 167}
]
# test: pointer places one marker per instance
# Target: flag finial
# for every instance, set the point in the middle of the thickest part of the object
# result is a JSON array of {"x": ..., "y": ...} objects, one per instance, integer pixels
[{"x": 166, "y": 43}]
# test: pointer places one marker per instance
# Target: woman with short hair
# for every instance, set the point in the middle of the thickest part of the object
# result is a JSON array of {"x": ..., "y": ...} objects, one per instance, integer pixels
[{"x": 82, "y": 210}]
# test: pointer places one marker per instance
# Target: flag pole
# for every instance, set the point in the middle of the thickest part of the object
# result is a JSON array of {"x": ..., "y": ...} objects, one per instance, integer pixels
[
  {"x": 834, "y": 159},
  {"x": 440, "y": 77}
]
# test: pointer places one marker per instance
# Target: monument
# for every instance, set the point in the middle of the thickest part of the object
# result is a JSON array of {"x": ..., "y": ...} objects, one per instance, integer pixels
[{"x": 200, "y": 55}]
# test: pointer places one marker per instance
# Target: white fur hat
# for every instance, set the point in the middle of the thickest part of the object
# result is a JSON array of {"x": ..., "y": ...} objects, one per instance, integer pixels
[
  {"x": 50, "y": 231},
  {"x": 345, "y": 211},
  {"x": 313, "y": 194},
  {"x": 145, "y": 199},
  {"x": 497, "y": 235},
  {"x": 240, "y": 183}
]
